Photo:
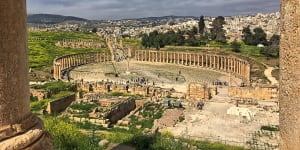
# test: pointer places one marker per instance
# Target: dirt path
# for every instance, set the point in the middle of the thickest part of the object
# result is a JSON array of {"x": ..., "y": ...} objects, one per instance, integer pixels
[{"x": 268, "y": 74}]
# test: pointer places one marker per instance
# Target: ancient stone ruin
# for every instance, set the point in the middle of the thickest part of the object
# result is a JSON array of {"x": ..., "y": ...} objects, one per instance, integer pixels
[
  {"x": 230, "y": 64},
  {"x": 200, "y": 92},
  {"x": 68, "y": 43},
  {"x": 19, "y": 128}
]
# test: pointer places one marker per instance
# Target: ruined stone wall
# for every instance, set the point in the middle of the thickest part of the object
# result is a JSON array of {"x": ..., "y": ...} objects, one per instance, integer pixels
[
  {"x": 40, "y": 94},
  {"x": 68, "y": 43},
  {"x": 134, "y": 89},
  {"x": 70, "y": 61},
  {"x": 139, "y": 103},
  {"x": 61, "y": 104},
  {"x": 197, "y": 91},
  {"x": 257, "y": 93},
  {"x": 121, "y": 110},
  {"x": 230, "y": 64},
  {"x": 290, "y": 75}
]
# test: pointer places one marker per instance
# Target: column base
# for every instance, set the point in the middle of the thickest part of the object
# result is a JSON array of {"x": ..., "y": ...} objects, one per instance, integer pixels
[{"x": 34, "y": 138}]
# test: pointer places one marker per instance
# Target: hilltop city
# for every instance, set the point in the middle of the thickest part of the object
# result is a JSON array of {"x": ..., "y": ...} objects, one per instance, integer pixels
[{"x": 133, "y": 28}]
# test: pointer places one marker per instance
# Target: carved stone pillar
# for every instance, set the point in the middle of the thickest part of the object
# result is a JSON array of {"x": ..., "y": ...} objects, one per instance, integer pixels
[
  {"x": 198, "y": 59},
  {"x": 182, "y": 59},
  {"x": 290, "y": 75},
  {"x": 167, "y": 57},
  {"x": 190, "y": 59},
  {"x": 137, "y": 55},
  {"x": 202, "y": 61},
  {"x": 19, "y": 129},
  {"x": 222, "y": 61},
  {"x": 210, "y": 61},
  {"x": 206, "y": 61},
  {"x": 214, "y": 66}
]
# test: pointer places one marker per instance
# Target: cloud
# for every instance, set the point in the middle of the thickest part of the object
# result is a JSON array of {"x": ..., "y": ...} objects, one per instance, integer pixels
[{"x": 119, "y": 9}]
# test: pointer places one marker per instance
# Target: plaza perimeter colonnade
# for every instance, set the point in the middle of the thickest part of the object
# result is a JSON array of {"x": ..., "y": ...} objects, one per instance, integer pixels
[
  {"x": 70, "y": 61},
  {"x": 230, "y": 64},
  {"x": 238, "y": 67}
]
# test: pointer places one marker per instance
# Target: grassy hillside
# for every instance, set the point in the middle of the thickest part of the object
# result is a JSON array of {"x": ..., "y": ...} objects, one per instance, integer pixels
[
  {"x": 51, "y": 18},
  {"x": 42, "y": 52}
]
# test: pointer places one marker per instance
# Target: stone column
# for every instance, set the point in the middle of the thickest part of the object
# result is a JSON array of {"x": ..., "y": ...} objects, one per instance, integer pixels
[
  {"x": 19, "y": 129},
  {"x": 190, "y": 61},
  {"x": 69, "y": 61},
  {"x": 289, "y": 89},
  {"x": 198, "y": 59},
  {"x": 225, "y": 64},
  {"x": 230, "y": 64},
  {"x": 167, "y": 57},
  {"x": 206, "y": 62},
  {"x": 202, "y": 60},
  {"x": 182, "y": 58},
  {"x": 210, "y": 61},
  {"x": 222, "y": 61},
  {"x": 234, "y": 66},
  {"x": 137, "y": 55},
  {"x": 55, "y": 70}
]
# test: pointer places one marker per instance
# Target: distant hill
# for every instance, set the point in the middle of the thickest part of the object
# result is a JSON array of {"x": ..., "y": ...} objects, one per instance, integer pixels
[
  {"x": 51, "y": 19},
  {"x": 166, "y": 17}
]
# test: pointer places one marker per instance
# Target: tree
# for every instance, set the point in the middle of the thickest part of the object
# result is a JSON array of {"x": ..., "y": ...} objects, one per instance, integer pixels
[
  {"x": 260, "y": 37},
  {"x": 201, "y": 26},
  {"x": 274, "y": 40},
  {"x": 272, "y": 50},
  {"x": 193, "y": 42},
  {"x": 235, "y": 46},
  {"x": 145, "y": 41},
  {"x": 217, "y": 32},
  {"x": 154, "y": 39},
  {"x": 94, "y": 30},
  {"x": 248, "y": 37}
]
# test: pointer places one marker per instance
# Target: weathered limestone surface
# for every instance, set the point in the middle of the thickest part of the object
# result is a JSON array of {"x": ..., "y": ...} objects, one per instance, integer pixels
[
  {"x": 290, "y": 75},
  {"x": 19, "y": 129},
  {"x": 257, "y": 93},
  {"x": 60, "y": 104}
]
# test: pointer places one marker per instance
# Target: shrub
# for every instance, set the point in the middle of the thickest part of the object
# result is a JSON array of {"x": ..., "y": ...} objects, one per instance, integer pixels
[
  {"x": 68, "y": 136},
  {"x": 270, "y": 128}
]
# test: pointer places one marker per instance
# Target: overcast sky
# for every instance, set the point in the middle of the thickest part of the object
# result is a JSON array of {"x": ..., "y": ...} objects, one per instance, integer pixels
[{"x": 122, "y": 9}]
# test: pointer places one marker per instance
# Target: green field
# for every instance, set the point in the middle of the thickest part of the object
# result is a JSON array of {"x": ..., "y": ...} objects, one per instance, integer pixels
[{"x": 42, "y": 52}]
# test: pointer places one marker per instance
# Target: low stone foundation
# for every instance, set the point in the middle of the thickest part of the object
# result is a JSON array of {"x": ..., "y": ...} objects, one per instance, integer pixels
[
  {"x": 257, "y": 93},
  {"x": 61, "y": 104}
]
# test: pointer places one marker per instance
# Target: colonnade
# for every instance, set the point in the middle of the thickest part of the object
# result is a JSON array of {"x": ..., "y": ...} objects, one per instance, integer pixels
[
  {"x": 69, "y": 61},
  {"x": 230, "y": 64}
]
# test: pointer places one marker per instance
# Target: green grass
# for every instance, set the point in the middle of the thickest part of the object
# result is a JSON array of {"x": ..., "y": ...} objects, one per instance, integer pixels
[
  {"x": 42, "y": 53},
  {"x": 132, "y": 42},
  {"x": 66, "y": 135},
  {"x": 116, "y": 93},
  {"x": 54, "y": 86},
  {"x": 251, "y": 50},
  {"x": 36, "y": 106}
]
